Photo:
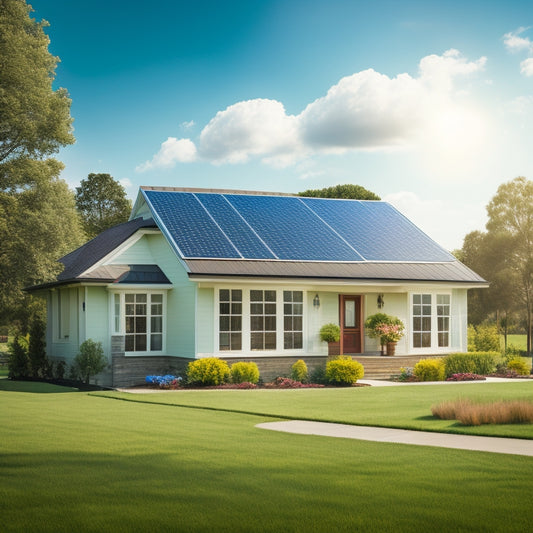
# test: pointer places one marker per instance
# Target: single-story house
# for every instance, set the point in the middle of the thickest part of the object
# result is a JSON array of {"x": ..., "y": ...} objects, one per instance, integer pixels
[{"x": 252, "y": 276}]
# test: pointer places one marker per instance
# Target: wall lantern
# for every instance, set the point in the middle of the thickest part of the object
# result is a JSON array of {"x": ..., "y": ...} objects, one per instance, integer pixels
[
  {"x": 316, "y": 302},
  {"x": 381, "y": 301}
]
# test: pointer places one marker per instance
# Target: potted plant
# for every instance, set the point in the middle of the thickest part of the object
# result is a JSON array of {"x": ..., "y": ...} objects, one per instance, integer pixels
[
  {"x": 331, "y": 333},
  {"x": 388, "y": 329}
]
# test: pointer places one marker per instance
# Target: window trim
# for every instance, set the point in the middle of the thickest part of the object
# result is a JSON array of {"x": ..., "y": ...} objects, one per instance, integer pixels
[
  {"x": 122, "y": 319},
  {"x": 246, "y": 319},
  {"x": 434, "y": 347}
]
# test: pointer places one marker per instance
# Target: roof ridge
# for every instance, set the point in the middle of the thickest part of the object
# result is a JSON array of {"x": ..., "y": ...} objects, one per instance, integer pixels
[{"x": 214, "y": 191}]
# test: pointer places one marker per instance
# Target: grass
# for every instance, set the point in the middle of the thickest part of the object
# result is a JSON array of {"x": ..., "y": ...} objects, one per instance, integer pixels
[
  {"x": 518, "y": 341},
  {"x": 72, "y": 461},
  {"x": 406, "y": 406}
]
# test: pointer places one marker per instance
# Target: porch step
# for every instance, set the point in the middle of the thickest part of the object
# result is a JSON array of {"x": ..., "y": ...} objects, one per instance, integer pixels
[{"x": 384, "y": 367}]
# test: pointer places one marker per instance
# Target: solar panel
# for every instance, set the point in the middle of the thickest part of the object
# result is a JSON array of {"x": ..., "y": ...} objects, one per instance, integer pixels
[
  {"x": 377, "y": 230},
  {"x": 189, "y": 225},
  {"x": 290, "y": 230},
  {"x": 234, "y": 227},
  {"x": 244, "y": 226}
]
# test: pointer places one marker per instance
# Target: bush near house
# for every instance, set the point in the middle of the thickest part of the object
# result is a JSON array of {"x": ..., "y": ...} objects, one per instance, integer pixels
[
  {"x": 518, "y": 365},
  {"x": 19, "y": 362},
  {"x": 482, "y": 363},
  {"x": 244, "y": 372},
  {"x": 483, "y": 338},
  {"x": 89, "y": 361},
  {"x": 299, "y": 371},
  {"x": 208, "y": 371},
  {"x": 429, "y": 370},
  {"x": 343, "y": 371}
]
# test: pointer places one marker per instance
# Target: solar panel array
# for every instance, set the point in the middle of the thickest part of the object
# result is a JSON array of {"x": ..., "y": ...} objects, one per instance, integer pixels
[{"x": 242, "y": 226}]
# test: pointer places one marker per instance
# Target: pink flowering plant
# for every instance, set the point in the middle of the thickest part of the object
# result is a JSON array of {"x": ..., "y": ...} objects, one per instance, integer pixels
[{"x": 387, "y": 328}]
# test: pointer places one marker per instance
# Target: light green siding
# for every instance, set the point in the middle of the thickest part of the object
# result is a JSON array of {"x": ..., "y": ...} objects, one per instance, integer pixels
[
  {"x": 205, "y": 321},
  {"x": 181, "y": 300},
  {"x": 137, "y": 254}
]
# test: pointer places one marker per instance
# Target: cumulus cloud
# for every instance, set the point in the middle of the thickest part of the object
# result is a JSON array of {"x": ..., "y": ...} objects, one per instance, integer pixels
[
  {"x": 514, "y": 43},
  {"x": 364, "y": 111},
  {"x": 172, "y": 151},
  {"x": 125, "y": 182}
]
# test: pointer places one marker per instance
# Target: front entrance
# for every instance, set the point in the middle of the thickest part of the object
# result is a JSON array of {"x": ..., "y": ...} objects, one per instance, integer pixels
[{"x": 351, "y": 326}]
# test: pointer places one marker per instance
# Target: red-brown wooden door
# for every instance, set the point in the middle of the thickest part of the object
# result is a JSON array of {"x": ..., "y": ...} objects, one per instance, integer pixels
[{"x": 351, "y": 326}]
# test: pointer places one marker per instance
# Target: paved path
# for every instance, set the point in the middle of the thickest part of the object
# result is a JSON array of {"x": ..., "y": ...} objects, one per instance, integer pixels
[{"x": 404, "y": 436}]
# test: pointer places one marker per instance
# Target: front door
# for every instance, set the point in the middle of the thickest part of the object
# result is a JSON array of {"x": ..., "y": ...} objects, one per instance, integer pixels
[{"x": 351, "y": 327}]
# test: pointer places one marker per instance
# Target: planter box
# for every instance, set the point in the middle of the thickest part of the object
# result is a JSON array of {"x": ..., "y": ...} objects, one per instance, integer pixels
[{"x": 334, "y": 348}]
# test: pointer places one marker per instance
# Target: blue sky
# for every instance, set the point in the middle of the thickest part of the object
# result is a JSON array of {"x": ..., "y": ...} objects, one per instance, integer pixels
[{"x": 428, "y": 104}]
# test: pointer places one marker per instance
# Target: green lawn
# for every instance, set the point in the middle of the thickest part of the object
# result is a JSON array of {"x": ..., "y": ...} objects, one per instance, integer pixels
[
  {"x": 518, "y": 341},
  {"x": 72, "y": 461},
  {"x": 406, "y": 406}
]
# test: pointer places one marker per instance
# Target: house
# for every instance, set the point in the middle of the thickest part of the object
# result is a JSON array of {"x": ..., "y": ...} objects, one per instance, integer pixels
[{"x": 252, "y": 276}]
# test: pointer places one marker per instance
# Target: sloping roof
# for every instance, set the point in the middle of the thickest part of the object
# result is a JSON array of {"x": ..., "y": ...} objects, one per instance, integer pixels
[
  {"x": 202, "y": 225},
  {"x": 453, "y": 271},
  {"x": 81, "y": 259}
]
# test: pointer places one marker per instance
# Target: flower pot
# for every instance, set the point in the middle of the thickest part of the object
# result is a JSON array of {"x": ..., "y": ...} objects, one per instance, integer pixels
[
  {"x": 391, "y": 348},
  {"x": 334, "y": 348}
]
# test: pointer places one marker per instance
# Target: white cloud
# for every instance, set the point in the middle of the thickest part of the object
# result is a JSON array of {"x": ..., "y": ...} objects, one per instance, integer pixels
[
  {"x": 172, "y": 151},
  {"x": 526, "y": 67},
  {"x": 125, "y": 182},
  {"x": 364, "y": 111},
  {"x": 514, "y": 43},
  {"x": 187, "y": 125},
  {"x": 257, "y": 127}
]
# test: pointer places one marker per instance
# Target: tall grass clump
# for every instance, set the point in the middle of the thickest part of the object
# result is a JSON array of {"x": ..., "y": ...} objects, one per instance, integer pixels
[{"x": 470, "y": 413}]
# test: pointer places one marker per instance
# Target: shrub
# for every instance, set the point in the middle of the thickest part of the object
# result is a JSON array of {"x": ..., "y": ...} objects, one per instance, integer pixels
[
  {"x": 319, "y": 375},
  {"x": 429, "y": 370},
  {"x": 483, "y": 338},
  {"x": 518, "y": 365},
  {"x": 90, "y": 360},
  {"x": 288, "y": 383},
  {"x": 344, "y": 371},
  {"x": 482, "y": 363},
  {"x": 59, "y": 370},
  {"x": 330, "y": 332},
  {"x": 208, "y": 371},
  {"x": 406, "y": 374},
  {"x": 299, "y": 371},
  {"x": 39, "y": 365},
  {"x": 244, "y": 372},
  {"x": 19, "y": 363}
]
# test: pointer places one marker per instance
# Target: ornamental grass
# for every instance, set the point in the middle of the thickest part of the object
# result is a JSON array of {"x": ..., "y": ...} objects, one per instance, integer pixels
[{"x": 470, "y": 413}]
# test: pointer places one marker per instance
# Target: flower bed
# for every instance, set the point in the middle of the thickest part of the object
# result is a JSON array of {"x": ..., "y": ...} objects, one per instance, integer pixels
[{"x": 466, "y": 376}]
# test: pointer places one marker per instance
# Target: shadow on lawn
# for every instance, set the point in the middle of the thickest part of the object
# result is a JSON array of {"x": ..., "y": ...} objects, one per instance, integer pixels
[{"x": 36, "y": 387}]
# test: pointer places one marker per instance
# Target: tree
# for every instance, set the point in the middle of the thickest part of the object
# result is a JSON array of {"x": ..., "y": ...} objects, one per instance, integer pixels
[
  {"x": 38, "y": 220},
  {"x": 511, "y": 216},
  {"x": 102, "y": 203},
  {"x": 90, "y": 360},
  {"x": 34, "y": 119},
  {"x": 350, "y": 192},
  {"x": 503, "y": 254}
]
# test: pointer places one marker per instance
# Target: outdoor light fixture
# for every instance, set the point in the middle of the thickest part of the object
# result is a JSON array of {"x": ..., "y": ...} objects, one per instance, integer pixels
[
  {"x": 381, "y": 301},
  {"x": 316, "y": 302}
]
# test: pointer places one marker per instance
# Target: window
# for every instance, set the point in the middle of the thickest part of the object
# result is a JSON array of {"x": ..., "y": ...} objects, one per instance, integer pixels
[
  {"x": 63, "y": 314},
  {"x": 230, "y": 319},
  {"x": 421, "y": 320},
  {"x": 292, "y": 319},
  {"x": 443, "y": 319},
  {"x": 140, "y": 317},
  {"x": 262, "y": 320},
  {"x": 431, "y": 320}
]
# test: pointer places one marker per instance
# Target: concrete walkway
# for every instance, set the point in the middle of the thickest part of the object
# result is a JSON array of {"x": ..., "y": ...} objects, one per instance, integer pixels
[{"x": 404, "y": 436}]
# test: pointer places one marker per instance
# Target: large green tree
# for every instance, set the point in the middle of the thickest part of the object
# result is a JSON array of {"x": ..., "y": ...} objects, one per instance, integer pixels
[
  {"x": 504, "y": 253},
  {"x": 102, "y": 203},
  {"x": 38, "y": 219},
  {"x": 348, "y": 191}
]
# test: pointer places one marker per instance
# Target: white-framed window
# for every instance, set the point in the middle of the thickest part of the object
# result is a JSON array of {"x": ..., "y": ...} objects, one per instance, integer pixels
[
  {"x": 230, "y": 319},
  {"x": 259, "y": 319},
  {"x": 62, "y": 314},
  {"x": 430, "y": 320},
  {"x": 141, "y": 317}
]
